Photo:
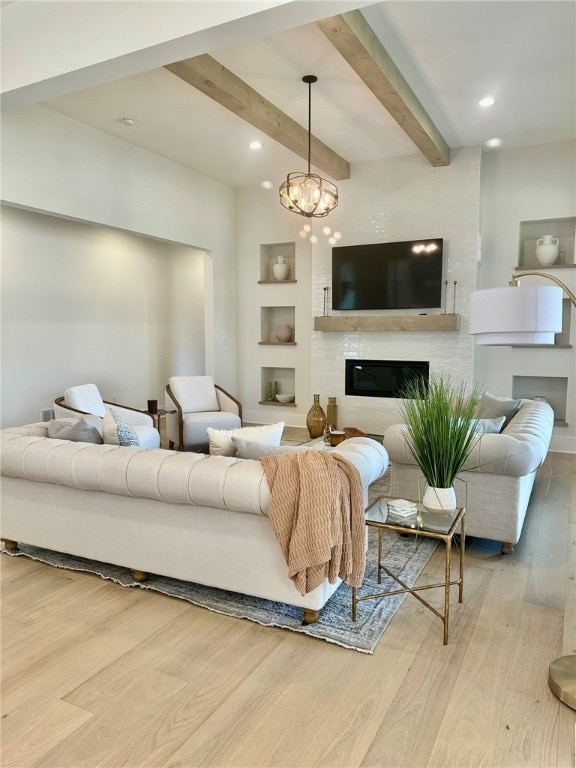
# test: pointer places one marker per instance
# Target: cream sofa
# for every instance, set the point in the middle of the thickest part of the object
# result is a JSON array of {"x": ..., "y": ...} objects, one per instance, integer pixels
[
  {"x": 185, "y": 515},
  {"x": 499, "y": 474}
]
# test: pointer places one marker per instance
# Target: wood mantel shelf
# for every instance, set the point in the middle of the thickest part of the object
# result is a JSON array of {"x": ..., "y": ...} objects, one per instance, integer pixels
[{"x": 347, "y": 323}]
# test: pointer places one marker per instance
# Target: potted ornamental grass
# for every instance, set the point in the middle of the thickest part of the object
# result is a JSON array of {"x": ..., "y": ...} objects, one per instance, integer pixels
[{"x": 441, "y": 431}]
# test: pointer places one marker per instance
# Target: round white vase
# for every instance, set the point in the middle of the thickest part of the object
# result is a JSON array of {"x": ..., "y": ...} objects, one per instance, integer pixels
[
  {"x": 439, "y": 499},
  {"x": 547, "y": 250},
  {"x": 280, "y": 269},
  {"x": 284, "y": 333}
]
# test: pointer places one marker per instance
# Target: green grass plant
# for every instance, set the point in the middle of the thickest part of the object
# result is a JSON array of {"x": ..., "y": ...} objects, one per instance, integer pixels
[{"x": 442, "y": 428}]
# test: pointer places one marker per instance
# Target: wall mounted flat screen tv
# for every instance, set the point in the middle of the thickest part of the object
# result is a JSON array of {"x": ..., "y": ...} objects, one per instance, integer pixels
[{"x": 405, "y": 275}]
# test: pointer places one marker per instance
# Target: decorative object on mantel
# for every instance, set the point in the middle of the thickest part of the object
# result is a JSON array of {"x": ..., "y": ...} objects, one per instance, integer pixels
[
  {"x": 326, "y": 289},
  {"x": 316, "y": 419},
  {"x": 445, "y": 296},
  {"x": 307, "y": 193},
  {"x": 547, "y": 250},
  {"x": 518, "y": 315},
  {"x": 273, "y": 389},
  {"x": 454, "y": 299},
  {"x": 442, "y": 430},
  {"x": 280, "y": 268},
  {"x": 284, "y": 333}
]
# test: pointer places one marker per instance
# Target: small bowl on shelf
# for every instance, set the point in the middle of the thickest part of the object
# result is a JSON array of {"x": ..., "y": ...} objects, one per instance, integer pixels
[{"x": 285, "y": 398}]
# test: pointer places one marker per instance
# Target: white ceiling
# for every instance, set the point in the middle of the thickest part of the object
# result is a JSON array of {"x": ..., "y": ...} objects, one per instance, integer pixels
[{"x": 452, "y": 53}]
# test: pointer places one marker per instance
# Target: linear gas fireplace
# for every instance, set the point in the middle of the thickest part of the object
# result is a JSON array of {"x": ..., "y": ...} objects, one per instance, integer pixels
[{"x": 383, "y": 378}]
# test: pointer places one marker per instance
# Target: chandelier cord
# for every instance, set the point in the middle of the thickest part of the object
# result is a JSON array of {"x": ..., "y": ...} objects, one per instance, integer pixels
[{"x": 309, "y": 122}]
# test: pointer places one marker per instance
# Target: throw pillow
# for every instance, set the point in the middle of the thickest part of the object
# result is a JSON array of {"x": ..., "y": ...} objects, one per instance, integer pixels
[
  {"x": 248, "y": 449},
  {"x": 489, "y": 426},
  {"x": 116, "y": 431},
  {"x": 76, "y": 430},
  {"x": 221, "y": 439},
  {"x": 492, "y": 407}
]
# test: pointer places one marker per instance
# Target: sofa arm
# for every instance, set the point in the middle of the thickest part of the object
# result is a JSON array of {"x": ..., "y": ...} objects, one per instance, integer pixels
[{"x": 368, "y": 456}]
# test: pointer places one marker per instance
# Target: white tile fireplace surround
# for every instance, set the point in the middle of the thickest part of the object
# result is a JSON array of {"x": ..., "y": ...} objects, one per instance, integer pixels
[{"x": 400, "y": 199}]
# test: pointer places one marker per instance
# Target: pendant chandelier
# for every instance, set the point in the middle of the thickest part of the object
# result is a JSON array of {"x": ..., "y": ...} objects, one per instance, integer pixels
[{"x": 307, "y": 193}]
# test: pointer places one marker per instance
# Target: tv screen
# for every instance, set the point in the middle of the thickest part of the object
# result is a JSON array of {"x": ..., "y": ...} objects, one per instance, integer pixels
[{"x": 405, "y": 275}]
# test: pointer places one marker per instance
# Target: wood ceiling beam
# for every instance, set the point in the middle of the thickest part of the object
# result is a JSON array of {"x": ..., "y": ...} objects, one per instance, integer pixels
[
  {"x": 353, "y": 37},
  {"x": 212, "y": 78}
]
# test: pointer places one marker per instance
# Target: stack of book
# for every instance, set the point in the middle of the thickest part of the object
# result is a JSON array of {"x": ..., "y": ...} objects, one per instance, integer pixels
[{"x": 402, "y": 507}]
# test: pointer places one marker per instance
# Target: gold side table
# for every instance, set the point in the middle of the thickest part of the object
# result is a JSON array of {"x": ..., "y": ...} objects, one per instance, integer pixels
[{"x": 422, "y": 523}]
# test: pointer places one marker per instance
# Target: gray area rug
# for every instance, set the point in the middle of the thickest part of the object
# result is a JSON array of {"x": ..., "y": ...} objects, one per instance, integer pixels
[{"x": 405, "y": 556}]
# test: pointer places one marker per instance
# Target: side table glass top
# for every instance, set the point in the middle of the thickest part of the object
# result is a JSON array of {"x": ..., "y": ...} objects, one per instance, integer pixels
[{"x": 421, "y": 520}]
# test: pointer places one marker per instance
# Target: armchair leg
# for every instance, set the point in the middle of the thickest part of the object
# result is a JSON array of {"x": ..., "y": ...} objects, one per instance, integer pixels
[
  {"x": 9, "y": 545},
  {"x": 507, "y": 548},
  {"x": 171, "y": 445}
]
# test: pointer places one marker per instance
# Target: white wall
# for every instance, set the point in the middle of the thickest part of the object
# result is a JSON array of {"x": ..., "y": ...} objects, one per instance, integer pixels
[
  {"x": 60, "y": 166},
  {"x": 525, "y": 184},
  {"x": 83, "y": 304},
  {"x": 400, "y": 199}
]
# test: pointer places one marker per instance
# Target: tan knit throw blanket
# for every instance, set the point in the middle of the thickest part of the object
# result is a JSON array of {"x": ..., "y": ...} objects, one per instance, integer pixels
[{"x": 317, "y": 513}]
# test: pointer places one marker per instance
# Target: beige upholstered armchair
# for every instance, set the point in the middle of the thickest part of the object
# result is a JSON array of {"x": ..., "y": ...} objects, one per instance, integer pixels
[
  {"x": 199, "y": 403},
  {"x": 85, "y": 400}
]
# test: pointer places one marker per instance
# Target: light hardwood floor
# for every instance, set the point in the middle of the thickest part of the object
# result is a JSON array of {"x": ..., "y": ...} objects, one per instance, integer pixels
[{"x": 95, "y": 675}]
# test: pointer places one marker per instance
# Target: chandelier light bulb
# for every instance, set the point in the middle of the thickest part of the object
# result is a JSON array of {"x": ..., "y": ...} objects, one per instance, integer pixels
[
  {"x": 332, "y": 240},
  {"x": 313, "y": 239},
  {"x": 326, "y": 230},
  {"x": 306, "y": 227},
  {"x": 337, "y": 235},
  {"x": 302, "y": 234}
]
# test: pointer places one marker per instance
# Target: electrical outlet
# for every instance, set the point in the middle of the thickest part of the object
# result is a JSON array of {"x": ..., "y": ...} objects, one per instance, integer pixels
[{"x": 47, "y": 414}]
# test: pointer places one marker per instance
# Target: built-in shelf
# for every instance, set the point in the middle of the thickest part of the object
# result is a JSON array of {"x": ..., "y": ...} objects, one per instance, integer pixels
[
  {"x": 542, "y": 346},
  {"x": 347, "y": 323},
  {"x": 269, "y": 253},
  {"x": 530, "y": 231},
  {"x": 277, "y": 343},
  {"x": 285, "y": 379},
  {"x": 277, "y": 325},
  {"x": 553, "y": 388},
  {"x": 543, "y": 267},
  {"x": 275, "y": 282}
]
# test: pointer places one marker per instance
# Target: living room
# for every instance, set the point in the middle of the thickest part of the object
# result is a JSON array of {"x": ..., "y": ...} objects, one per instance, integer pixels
[{"x": 124, "y": 267}]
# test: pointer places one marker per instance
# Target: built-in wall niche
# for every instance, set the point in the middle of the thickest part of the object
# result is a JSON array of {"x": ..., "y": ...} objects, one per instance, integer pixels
[
  {"x": 277, "y": 325},
  {"x": 282, "y": 254},
  {"x": 530, "y": 232},
  {"x": 553, "y": 388},
  {"x": 281, "y": 381}
]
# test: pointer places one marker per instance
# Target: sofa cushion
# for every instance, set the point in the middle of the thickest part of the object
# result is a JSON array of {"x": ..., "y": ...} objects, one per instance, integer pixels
[
  {"x": 492, "y": 407},
  {"x": 248, "y": 449},
  {"x": 116, "y": 431},
  {"x": 194, "y": 393},
  {"x": 221, "y": 439},
  {"x": 77, "y": 430}
]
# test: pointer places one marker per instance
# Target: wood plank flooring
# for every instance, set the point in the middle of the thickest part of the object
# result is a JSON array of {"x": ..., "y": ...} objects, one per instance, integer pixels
[{"x": 94, "y": 675}]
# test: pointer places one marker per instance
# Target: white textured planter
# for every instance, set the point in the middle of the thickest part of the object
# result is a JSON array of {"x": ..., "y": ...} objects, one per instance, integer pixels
[
  {"x": 439, "y": 499},
  {"x": 281, "y": 269}
]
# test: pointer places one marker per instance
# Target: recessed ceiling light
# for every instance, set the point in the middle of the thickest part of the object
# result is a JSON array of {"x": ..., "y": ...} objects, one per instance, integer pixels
[
  {"x": 267, "y": 184},
  {"x": 487, "y": 101},
  {"x": 255, "y": 145},
  {"x": 128, "y": 120},
  {"x": 494, "y": 142}
]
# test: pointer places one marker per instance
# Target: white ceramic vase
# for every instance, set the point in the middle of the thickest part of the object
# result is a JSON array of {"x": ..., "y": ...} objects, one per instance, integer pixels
[
  {"x": 280, "y": 268},
  {"x": 547, "y": 250},
  {"x": 284, "y": 333},
  {"x": 439, "y": 499}
]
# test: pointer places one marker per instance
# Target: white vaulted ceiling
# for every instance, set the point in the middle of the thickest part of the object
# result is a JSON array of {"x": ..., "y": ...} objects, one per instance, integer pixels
[{"x": 451, "y": 53}]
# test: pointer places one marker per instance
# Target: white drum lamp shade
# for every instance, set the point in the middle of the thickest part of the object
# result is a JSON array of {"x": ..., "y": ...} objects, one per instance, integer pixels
[{"x": 516, "y": 315}]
